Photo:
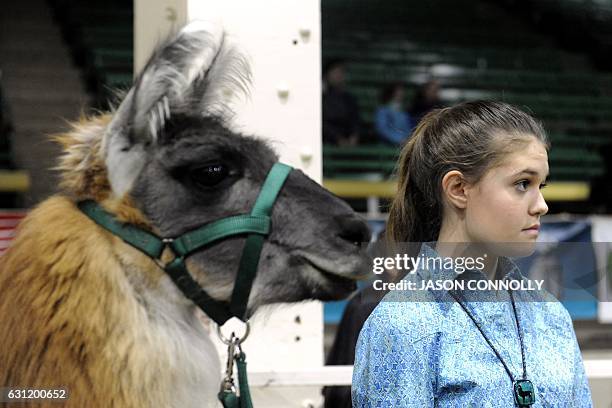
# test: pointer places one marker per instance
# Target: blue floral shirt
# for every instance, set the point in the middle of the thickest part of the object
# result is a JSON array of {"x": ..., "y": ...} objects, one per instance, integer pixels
[{"x": 425, "y": 351}]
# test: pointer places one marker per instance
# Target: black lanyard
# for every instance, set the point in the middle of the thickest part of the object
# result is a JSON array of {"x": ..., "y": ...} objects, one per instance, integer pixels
[{"x": 524, "y": 393}]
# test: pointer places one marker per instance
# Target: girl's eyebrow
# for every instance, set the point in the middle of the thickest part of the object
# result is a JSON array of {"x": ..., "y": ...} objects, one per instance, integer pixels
[{"x": 531, "y": 172}]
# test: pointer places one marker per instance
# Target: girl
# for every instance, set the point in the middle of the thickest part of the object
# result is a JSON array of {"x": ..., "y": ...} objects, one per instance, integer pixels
[{"x": 469, "y": 184}]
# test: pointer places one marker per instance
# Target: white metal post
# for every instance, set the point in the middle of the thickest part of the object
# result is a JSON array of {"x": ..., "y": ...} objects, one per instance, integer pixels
[{"x": 283, "y": 41}]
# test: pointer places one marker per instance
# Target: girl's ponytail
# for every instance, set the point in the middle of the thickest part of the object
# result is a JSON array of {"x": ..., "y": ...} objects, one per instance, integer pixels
[{"x": 405, "y": 223}]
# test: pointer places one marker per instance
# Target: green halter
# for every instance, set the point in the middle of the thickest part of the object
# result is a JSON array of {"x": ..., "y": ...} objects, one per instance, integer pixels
[{"x": 256, "y": 225}]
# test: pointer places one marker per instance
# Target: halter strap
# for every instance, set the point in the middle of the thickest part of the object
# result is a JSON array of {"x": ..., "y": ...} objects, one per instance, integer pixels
[
  {"x": 257, "y": 225},
  {"x": 252, "y": 249}
]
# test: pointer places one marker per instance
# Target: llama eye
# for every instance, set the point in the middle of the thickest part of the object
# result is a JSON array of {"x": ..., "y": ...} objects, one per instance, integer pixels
[{"x": 210, "y": 175}]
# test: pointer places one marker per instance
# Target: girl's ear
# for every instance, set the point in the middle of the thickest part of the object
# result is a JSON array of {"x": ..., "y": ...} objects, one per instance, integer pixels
[{"x": 454, "y": 189}]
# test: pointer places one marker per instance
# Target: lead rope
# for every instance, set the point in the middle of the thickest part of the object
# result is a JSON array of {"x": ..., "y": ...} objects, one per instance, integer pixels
[{"x": 227, "y": 394}]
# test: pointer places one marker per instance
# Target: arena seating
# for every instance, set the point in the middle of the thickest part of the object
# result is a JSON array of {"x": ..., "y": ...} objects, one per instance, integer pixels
[
  {"x": 12, "y": 180},
  {"x": 476, "y": 50},
  {"x": 590, "y": 22},
  {"x": 100, "y": 33},
  {"x": 5, "y": 133}
]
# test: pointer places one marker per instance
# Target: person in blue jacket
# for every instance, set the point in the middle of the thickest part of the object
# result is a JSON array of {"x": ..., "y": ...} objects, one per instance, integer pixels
[
  {"x": 470, "y": 181},
  {"x": 392, "y": 122}
]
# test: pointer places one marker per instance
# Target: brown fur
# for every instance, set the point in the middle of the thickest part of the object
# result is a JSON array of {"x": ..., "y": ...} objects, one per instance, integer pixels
[
  {"x": 64, "y": 293},
  {"x": 82, "y": 164}
]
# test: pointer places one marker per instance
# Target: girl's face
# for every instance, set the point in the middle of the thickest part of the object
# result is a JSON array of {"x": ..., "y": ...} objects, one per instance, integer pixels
[{"x": 505, "y": 206}]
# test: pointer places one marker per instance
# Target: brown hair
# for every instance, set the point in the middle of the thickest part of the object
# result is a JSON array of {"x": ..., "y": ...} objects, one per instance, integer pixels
[{"x": 471, "y": 137}]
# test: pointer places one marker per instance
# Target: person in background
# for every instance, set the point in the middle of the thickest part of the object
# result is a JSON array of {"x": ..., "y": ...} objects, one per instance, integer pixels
[
  {"x": 426, "y": 98},
  {"x": 341, "y": 121},
  {"x": 392, "y": 123}
]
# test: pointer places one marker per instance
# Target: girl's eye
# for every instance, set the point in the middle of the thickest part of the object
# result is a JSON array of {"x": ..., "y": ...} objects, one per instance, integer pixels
[
  {"x": 522, "y": 185},
  {"x": 210, "y": 175}
]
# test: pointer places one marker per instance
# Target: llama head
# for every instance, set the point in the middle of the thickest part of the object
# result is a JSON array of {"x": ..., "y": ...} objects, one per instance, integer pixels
[{"x": 168, "y": 148}]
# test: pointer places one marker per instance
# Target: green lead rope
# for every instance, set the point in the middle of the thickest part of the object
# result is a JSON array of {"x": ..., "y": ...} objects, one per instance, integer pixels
[
  {"x": 228, "y": 398},
  {"x": 245, "y": 394}
]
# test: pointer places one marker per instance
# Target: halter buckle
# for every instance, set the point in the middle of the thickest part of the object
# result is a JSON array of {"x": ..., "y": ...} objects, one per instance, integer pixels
[{"x": 167, "y": 245}]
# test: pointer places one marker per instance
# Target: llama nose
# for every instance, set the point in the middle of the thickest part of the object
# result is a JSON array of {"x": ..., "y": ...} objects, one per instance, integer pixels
[{"x": 353, "y": 229}]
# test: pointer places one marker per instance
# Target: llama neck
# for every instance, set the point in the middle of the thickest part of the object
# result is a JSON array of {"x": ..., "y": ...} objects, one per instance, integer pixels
[
  {"x": 103, "y": 320},
  {"x": 169, "y": 327}
]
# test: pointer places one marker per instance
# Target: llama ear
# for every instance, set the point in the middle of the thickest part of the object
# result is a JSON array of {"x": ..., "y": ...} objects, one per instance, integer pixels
[{"x": 196, "y": 73}]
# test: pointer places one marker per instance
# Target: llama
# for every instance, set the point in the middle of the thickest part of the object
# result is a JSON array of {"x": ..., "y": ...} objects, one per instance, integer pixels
[{"x": 85, "y": 311}]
